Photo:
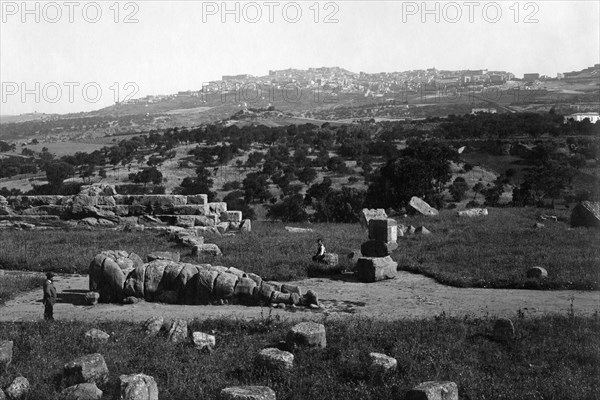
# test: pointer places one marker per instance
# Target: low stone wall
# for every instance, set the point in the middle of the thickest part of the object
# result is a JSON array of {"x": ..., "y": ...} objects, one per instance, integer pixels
[{"x": 101, "y": 205}]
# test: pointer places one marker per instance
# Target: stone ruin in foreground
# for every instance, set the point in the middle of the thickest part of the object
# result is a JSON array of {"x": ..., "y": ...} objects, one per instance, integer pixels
[
  {"x": 118, "y": 276},
  {"x": 100, "y": 205}
]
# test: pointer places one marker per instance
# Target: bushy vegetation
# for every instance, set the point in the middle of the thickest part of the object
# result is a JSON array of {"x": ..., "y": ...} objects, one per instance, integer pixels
[{"x": 554, "y": 357}]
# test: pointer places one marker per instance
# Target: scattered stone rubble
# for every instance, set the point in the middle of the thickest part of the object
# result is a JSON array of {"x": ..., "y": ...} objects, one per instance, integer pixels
[
  {"x": 100, "y": 205},
  {"x": 420, "y": 206}
]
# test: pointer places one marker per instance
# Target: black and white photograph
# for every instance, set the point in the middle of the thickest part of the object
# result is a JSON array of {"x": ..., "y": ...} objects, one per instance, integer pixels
[{"x": 299, "y": 200}]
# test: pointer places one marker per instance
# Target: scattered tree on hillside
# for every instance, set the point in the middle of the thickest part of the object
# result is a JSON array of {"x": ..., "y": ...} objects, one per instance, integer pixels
[
  {"x": 57, "y": 172},
  {"x": 147, "y": 175},
  {"x": 255, "y": 188},
  {"x": 289, "y": 209},
  {"x": 423, "y": 169},
  {"x": 200, "y": 184}
]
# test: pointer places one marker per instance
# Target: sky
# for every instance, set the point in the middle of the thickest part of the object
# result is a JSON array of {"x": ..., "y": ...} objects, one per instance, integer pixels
[{"x": 61, "y": 57}]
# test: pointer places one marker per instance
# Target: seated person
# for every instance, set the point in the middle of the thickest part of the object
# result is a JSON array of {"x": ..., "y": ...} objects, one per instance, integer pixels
[{"x": 320, "y": 251}]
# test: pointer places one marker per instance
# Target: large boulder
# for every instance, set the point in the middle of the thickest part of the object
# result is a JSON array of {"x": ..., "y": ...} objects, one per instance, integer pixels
[
  {"x": 275, "y": 359},
  {"x": 586, "y": 214},
  {"x": 247, "y": 393},
  {"x": 225, "y": 285},
  {"x": 231, "y": 216},
  {"x": 134, "y": 283},
  {"x": 203, "y": 341},
  {"x": 153, "y": 277},
  {"x": 537, "y": 273},
  {"x": 204, "y": 286},
  {"x": 89, "y": 368},
  {"x": 309, "y": 334},
  {"x": 18, "y": 389},
  {"x": 420, "y": 206},
  {"x": 153, "y": 325},
  {"x": 433, "y": 390},
  {"x": 137, "y": 387},
  {"x": 368, "y": 214},
  {"x": 178, "y": 331},
  {"x": 373, "y": 269},
  {"x": 97, "y": 336},
  {"x": 82, "y": 391},
  {"x": 381, "y": 364}
]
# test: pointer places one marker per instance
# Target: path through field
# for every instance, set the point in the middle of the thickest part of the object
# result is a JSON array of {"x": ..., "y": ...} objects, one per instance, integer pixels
[{"x": 407, "y": 296}]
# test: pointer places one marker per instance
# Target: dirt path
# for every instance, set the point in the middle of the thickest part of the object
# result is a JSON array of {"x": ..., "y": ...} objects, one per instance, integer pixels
[{"x": 407, "y": 296}]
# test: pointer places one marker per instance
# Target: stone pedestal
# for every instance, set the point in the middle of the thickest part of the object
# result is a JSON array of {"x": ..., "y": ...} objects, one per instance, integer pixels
[{"x": 373, "y": 269}]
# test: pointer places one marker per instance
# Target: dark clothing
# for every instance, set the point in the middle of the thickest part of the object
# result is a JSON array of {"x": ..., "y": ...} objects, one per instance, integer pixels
[
  {"x": 320, "y": 253},
  {"x": 49, "y": 300}
]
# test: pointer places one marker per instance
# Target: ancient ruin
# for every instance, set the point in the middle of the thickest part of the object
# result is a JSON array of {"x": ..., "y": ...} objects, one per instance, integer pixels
[
  {"x": 119, "y": 276},
  {"x": 375, "y": 264},
  {"x": 100, "y": 205}
]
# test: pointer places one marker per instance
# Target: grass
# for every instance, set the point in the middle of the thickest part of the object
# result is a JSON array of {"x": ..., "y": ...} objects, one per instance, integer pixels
[
  {"x": 554, "y": 357},
  {"x": 496, "y": 251},
  {"x": 486, "y": 252},
  {"x": 13, "y": 283}
]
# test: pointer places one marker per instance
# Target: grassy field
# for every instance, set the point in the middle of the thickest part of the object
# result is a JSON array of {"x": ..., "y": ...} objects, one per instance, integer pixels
[
  {"x": 11, "y": 284},
  {"x": 493, "y": 251},
  {"x": 553, "y": 358}
]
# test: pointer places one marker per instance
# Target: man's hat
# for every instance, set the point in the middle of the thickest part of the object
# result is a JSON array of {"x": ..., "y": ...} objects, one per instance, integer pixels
[{"x": 49, "y": 275}]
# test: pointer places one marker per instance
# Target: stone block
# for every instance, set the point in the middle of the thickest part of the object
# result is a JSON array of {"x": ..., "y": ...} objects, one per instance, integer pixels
[
  {"x": 203, "y": 341},
  {"x": 537, "y": 273},
  {"x": 247, "y": 393},
  {"x": 82, "y": 391},
  {"x": 383, "y": 230},
  {"x": 382, "y": 364},
  {"x": 309, "y": 334},
  {"x": 375, "y": 248},
  {"x": 92, "y": 298},
  {"x": 90, "y": 368},
  {"x": 231, "y": 216},
  {"x": 473, "y": 212},
  {"x": 275, "y": 359},
  {"x": 192, "y": 241},
  {"x": 373, "y": 269},
  {"x": 224, "y": 286},
  {"x": 217, "y": 207},
  {"x": 207, "y": 249},
  {"x": 246, "y": 226},
  {"x": 18, "y": 389},
  {"x": 6, "y": 353},
  {"x": 97, "y": 336},
  {"x": 222, "y": 227},
  {"x": 368, "y": 214},
  {"x": 178, "y": 332},
  {"x": 206, "y": 220},
  {"x": 420, "y": 206},
  {"x": 153, "y": 325},
  {"x": 433, "y": 390},
  {"x": 191, "y": 209},
  {"x": 185, "y": 221},
  {"x": 199, "y": 199},
  {"x": 137, "y": 387}
]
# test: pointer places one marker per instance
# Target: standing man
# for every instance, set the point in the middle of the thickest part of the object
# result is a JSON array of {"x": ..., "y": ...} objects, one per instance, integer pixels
[
  {"x": 320, "y": 251},
  {"x": 49, "y": 297}
]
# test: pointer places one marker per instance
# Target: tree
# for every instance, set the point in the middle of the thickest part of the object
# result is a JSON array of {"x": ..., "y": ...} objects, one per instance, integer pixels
[
  {"x": 147, "y": 175},
  {"x": 546, "y": 181},
  {"x": 422, "y": 170},
  {"x": 340, "y": 206},
  {"x": 307, "y": 175},
  {"x": 255, "y": 188},
  {"x": 57, "y": 172},
  {"x": 290, "y": 209},
  {"x": 458, "y": 188},
  {"x": 200, "y": 184}
]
